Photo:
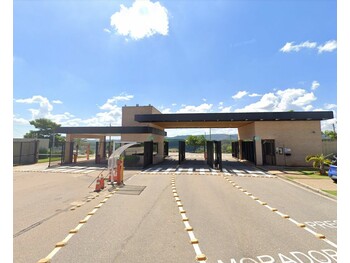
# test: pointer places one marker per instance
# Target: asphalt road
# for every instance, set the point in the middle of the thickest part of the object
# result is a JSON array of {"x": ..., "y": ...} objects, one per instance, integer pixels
[{"x": 172, "y": 213}]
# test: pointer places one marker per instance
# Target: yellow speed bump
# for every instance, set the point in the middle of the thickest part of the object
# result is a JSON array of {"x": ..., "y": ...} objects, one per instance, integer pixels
[
  {"x": 201, "y": 257},
  {"x": 44, "y": 260},
  {"x": 194, "y": 241},
  {"x": 301, "y": 225},
  {"x": 61, "y": 244},
  {"x": 189, "y": 228},
  {"x": 320, "y": 236},
  {"x": 273, "y": 209},
  {"x": 73, "y": 231},
  {"x": 185, "y": 219}
]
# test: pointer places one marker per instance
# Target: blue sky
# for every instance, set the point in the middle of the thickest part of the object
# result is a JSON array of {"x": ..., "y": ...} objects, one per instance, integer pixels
[{"x": 79, "y": 62}]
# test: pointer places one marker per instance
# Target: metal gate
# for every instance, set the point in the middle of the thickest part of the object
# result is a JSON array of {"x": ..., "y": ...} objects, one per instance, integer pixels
[
  {"x": 248, "y": 151},
  {"x": 147, "y": 153},
  {"x": 182, "y": 151},
  {"x": 218, "y": 157},
  {"x": 166, "y": 148},
  {"x": 210, "y": 153},
  {"x": 214, "y": 154},
  {"x": 235, "y": 149},
  {"x": 268, "y": 151}
]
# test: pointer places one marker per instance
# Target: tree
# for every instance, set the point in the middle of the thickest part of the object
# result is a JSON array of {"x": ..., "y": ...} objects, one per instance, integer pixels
[
  {"x": 45, "y": 129},
  {"x": 195, "y": 141},
  {"x": 331, "y": 134},
  {"x": 319, "y": 161}
]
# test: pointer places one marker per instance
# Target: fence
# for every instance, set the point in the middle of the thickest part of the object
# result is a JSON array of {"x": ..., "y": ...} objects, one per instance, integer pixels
[
  {"x": 329, "y": 147},
  {"x": 25, "y": 152}
]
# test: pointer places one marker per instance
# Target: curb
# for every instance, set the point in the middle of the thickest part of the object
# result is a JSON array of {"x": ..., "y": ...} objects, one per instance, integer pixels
[{"x": 301, "y": 184}]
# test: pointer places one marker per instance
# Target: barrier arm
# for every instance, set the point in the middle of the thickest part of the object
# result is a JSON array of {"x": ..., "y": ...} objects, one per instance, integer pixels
[{"x": 112, "y": 160}]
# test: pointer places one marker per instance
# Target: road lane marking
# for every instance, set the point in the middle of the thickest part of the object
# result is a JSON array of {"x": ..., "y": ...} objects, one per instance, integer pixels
[
  {"x": 200, "y": 257},
  {"x": 72, "y": 232},
  {"x": 285, "y": 216}
]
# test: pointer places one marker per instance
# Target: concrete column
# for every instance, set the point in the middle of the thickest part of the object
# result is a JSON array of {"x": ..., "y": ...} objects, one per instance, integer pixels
[
  {"x": 102, "y": 140},
  {"x": 258, "y": 151},
  {"x": 69, "y": 139},
  {"x": 240, "y": 153}
]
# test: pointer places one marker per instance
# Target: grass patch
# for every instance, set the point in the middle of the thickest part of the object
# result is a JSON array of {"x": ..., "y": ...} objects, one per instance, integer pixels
[
  {"x": 332, "y": 192},
  {"x": 318, "y": 176},
  {"x": 46, "y": 160}
]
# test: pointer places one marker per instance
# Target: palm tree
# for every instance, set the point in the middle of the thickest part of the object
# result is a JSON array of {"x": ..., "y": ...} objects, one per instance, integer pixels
[{"x": 319, "y": 161}]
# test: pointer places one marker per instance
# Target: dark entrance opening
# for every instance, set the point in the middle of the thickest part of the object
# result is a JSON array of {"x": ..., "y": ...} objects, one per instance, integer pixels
[
  {"x": 182, "y": 151},
  {"x": 166, "y": 149},
  {"x": 147, "y": 153},
  {"x": 268, "y": 152},
  {"x": 235, "y": 149},
  {"x": 248, "y": 151}
]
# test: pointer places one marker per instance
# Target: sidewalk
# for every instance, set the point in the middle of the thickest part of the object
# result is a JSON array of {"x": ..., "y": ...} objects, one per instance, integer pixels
[{"x": 320, "y": 185}]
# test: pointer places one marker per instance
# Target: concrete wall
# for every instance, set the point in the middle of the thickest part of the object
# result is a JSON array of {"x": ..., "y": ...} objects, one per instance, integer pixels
[
  {"x": 128, "y": 119},
  {"x": 329, "y": 147},
  {"x": 128, "y": 113},
  {"x": 302, "y": 137}
]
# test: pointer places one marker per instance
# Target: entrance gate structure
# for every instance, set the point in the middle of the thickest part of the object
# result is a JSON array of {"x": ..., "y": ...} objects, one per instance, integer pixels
[
  {"x": 214, "y": 154},
  {"x": 182, "y": 151},
  {"x": 295, "y": 134}
]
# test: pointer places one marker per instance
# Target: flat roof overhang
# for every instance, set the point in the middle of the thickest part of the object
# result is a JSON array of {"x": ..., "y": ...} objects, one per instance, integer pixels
[
  {"x": 91, "y": 131},
  {"x": 228, "y": 120}
]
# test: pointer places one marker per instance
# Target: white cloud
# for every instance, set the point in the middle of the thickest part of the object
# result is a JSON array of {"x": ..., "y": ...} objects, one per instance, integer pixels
[
  {"x": 143, "y": 19},
  {"x": 315, "y": 84},
  {"x": 330, "y": 106},
  {"x": 107, "y": 30},
  {"x": 20, "y": 121},
  {"x": 254, "y": 95},
  {"x": 57, "y": 102},
  {"x": 111, "y": 104},
  {"x": 289, "y": 46},
  {"x": 329, "y": 46},
  {"x": 45, "y": 106},
  {"x": 203, "y": 108},
  {"x": 239, "y": 95},
  {"x": 282, "y": 100},
  {"x": 225, "y": 109}
]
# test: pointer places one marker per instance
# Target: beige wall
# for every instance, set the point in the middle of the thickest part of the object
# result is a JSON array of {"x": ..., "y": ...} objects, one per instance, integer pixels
[
  {"x": 129, "y": 112},
  {"x": 246, "y": 132},
  {"x": 302, "y": 137},
  {"x": 128, "y": 119}
]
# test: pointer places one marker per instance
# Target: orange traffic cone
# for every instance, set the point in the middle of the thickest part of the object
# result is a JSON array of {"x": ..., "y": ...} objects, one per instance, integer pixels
[
  {"x": 102, "y": 182},
  {"x": 98, "y": 185}
]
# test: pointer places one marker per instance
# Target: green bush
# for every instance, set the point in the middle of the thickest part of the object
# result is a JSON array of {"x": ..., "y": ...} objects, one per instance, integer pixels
[{"x": 43, "y": 153}]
